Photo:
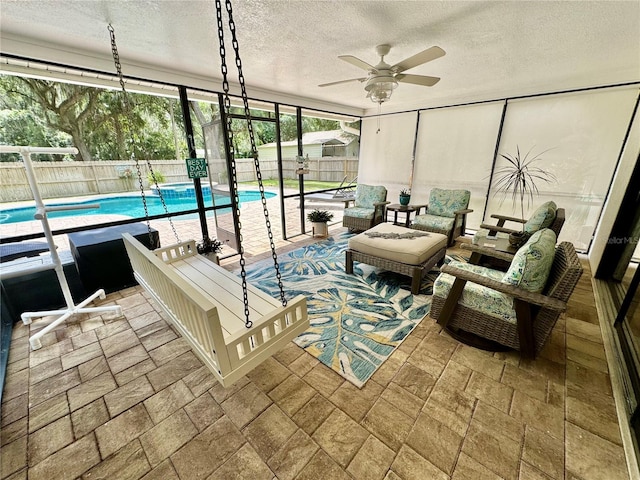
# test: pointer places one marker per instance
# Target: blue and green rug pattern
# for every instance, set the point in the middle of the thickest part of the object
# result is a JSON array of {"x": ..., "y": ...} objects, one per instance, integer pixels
[{"x": 357, "y": 320}]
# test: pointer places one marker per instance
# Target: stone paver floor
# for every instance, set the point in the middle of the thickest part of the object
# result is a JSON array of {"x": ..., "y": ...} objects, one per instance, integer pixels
[{"x": 125, "y": 398}]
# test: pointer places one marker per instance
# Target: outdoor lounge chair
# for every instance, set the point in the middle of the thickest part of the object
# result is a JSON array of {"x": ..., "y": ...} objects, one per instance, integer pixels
[
  {"x": 446, "y": 213},
  {"x": 490, "y": 309},
  {"x": 369, "y": 208},
  {"x": 345, "y": 193}
]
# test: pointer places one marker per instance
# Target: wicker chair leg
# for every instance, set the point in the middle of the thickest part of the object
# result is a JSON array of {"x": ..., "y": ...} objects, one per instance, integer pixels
[
  {"x": 416, "y": 281},
  {"x": 348, "y": 264},
  {"x": 525, "y": 329},
  {"x": 451, "y": 301}
]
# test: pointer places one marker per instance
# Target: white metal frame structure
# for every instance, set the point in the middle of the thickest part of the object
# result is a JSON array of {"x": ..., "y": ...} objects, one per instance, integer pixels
[{"x": 41, "y": 214}]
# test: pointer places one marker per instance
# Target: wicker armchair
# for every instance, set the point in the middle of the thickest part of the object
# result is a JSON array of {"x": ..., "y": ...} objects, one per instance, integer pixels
[
  {"x": 446, "y": 213},
  {"x": 369, "y": 209},
  {"x": 533, "y": 314},
  {"x": 546, "y": 215}
]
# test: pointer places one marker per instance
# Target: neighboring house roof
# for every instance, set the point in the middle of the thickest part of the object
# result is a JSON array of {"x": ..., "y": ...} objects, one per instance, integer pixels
[{"x": 331, "y": 137}]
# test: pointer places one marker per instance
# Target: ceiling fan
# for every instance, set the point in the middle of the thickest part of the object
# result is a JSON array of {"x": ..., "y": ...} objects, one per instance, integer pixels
[{"x": 383, "y": 78}]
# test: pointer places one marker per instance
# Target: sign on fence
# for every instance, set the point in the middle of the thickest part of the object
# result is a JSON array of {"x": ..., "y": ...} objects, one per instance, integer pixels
[{"x": 196, "y": 167}]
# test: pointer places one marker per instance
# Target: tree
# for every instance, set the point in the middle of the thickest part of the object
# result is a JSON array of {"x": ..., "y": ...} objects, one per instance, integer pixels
[
  {"x": 22, "y": 121},
  {"x": 67, "y": 108}
]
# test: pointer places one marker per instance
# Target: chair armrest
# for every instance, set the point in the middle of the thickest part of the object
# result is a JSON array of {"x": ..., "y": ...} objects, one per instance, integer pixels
[
  {"x": 463, "y": 212},
  {"x": 507, "y": 218},
  {"x": 487, "y": 251},
  {"x": 507, "y": 289},
  {"x": 377, "y": 204},
  {"x": 495, "y": 228}
]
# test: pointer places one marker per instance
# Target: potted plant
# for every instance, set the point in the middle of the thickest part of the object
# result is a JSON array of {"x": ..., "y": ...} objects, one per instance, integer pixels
[
  {"x": 405, "y": 196},
  {"x": 319, "y": 219},
  {"x": 518, "y": 177},
  {"x": 210, "y": 248}
]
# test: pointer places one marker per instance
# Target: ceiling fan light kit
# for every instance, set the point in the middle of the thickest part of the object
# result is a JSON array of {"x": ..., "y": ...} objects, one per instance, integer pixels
[
  {"x": 379, "y": 89},
  {"x": 383, "y": 78}
]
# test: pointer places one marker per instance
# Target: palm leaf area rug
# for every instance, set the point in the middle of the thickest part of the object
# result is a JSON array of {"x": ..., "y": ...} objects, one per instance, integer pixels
[{"x": 356, "y": 320}]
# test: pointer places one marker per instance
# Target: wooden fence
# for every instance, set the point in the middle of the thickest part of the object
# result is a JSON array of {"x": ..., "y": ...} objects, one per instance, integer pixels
[{"x": 72, "y": 179}]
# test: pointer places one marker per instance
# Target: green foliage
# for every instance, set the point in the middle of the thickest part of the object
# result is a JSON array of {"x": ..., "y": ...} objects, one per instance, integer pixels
[
  {"x": 405, "y": 193},
  {"x": 519, "y": 177},
  {"x": 156, "y": 177},
  {"x": 209, "y": 245},
  {"x": 319, "y": 216},
  {"x": 22, "y": 122},
  {"x": 103, "y": 126},
  {"x": 96, "y": 121}
]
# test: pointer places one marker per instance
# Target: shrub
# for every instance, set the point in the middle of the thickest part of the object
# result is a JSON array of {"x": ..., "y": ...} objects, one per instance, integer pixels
[{"x": 159, "y": 177}]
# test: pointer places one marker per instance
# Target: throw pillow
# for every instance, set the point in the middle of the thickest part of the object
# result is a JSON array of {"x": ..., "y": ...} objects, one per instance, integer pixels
[
  {"x": 531, "y": 264},
  {"x": 444, "y": 203},
  {"x": 544, "y": 216}
]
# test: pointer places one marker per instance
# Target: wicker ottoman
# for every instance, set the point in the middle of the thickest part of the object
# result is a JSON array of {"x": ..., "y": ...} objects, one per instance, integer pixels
[{"x": 407, "y": 256}]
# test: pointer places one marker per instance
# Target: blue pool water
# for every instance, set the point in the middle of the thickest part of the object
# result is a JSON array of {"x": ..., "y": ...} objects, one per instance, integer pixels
[{"x": 131, "y": 206}]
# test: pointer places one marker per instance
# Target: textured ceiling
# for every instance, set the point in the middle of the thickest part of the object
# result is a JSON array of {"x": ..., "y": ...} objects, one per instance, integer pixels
[{"x": 494, "y": 49}]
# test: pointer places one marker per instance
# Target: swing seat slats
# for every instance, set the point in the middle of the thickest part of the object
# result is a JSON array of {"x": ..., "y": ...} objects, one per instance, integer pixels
[{"x": 205, "y": 304}]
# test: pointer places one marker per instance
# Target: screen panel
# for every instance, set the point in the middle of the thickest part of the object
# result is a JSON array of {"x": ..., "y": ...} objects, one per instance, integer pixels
[
  {"x": 386, "y": 151},
  {"x": 455, "y": 150},
  {"x": 578, "y": 138}
]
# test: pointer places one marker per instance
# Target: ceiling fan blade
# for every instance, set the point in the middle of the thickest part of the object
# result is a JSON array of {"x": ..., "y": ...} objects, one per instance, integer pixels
[
  {"x": 357, "y": 62},
  {"x": 417, "y": 79},
  {"x": 418, "y": 59},
  {"x": 343, "y": 81}
]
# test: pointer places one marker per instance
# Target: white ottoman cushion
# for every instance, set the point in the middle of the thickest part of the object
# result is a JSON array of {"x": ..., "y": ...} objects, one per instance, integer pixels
[{"x": 412, "y": 251}]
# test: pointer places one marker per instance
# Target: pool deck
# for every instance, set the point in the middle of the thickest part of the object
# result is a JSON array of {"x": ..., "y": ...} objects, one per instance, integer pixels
[{"x": 254, "y": 231}]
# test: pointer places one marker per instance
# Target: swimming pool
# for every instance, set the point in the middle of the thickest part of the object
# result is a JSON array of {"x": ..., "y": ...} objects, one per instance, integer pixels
[{"x": 130, "y": 205}]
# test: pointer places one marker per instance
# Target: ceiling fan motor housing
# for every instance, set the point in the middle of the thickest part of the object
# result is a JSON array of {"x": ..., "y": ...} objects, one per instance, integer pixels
[{"x": 381, "y": 77}]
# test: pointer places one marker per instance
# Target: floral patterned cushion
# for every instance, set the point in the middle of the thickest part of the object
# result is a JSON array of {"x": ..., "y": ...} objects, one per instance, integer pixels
[
  {"x": 544, "y": 216},
  {"x": 359, "y": 212},
  {"x": 444, "y": 203},
  {"x": 435, "y": 222},
  {"x": 367, "y": 195},
  {"x": 477, "y": 297},
  {"x": 532, "y": 262}
]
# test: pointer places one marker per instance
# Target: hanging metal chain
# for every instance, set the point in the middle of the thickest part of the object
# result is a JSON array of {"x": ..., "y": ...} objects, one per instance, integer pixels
[
  {"x": 234, "y": 178},
  {"x": 254, "y": 151},
  {"x": 127, "y": 106}
]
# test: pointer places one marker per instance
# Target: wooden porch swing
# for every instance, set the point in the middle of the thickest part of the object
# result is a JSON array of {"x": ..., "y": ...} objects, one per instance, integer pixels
[{"x": 208, "y": 305}]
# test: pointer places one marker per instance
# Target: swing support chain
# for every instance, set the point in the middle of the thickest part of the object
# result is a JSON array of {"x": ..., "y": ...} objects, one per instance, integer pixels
[
  {"x": 254, "y": 150},
  {"x": 127, "y": 109}
]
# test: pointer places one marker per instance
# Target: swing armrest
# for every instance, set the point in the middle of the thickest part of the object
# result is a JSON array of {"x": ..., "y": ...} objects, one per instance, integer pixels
[{"x": 177, "y": 251}]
